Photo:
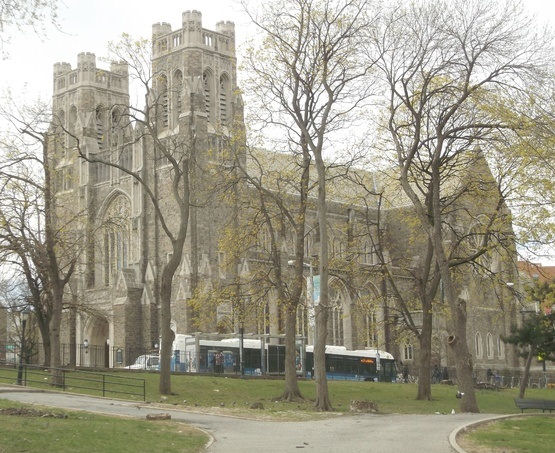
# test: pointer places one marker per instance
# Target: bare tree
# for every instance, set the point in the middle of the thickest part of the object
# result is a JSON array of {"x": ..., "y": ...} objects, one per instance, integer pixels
[
  {"x": 276, "y": 210},
  {"x": 307, "y": 68},
  {"x": 37, "y": 227},
  {"x": 20, "y": 14},
  {"x": 446, "y": 66}
]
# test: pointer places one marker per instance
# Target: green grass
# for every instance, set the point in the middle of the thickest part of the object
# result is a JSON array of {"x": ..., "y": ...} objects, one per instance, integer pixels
[
  {"x": 83, "y": 432},
  {"x": 238, "y": 394},
  {"x": 207, "y": 391},
  {"x": 523, "y": 435}
]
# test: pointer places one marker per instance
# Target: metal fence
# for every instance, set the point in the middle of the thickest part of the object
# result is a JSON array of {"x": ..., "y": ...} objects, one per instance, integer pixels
[
  {"x": 482, "y": 378},
  {"x": 68, "y": 380}
]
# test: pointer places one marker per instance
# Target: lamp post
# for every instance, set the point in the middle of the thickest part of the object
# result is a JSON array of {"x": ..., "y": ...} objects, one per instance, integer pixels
[{"x": 22, "y": 352}]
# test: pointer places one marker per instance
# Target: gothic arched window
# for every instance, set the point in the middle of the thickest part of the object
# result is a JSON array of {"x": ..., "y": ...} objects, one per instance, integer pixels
[
  {"x": 60, "y": 122},
  {"x": 72, "y": 126},
  {"x": 408, "y": 351},
  {"x": 177, "y": 95},
  {"x": 335, "y": 319},
  {"x": 500, "y": 348},
  {"x": 163, "y": 100},
  {"x": 478, "y": 345},
  {"x": 100, "y": 126},
  {"x": 365, "y": 320},
  {"x": 224, "y": 98},
  {"x": 116, "y": 238},
  {"x": 115, "y": 118},
  {"x": 208, "y": 93},
  {"x": 489, "y": 345}
]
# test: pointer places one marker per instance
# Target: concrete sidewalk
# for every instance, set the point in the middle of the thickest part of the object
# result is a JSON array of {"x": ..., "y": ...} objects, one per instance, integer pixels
[{"x": 360, "y": 433}]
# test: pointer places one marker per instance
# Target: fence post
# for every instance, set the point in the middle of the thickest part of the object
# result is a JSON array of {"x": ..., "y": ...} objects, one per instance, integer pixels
[
  {"x": 103, "y": 385},
  {"x": 144, "y": 390},
  {"x": 25, "y": 375},
  {"x": 64, "y": 380}
]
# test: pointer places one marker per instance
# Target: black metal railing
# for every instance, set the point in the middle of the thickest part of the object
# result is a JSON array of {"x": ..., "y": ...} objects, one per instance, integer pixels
[{"x": 70, "y": 380}]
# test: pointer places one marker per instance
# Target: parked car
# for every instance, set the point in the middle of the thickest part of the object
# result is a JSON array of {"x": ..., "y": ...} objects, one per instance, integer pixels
[{"x": 146, "y": 362}]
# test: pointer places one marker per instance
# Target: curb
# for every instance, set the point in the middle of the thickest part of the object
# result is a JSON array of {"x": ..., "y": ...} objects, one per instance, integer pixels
[{"x": 467, "y": 426}]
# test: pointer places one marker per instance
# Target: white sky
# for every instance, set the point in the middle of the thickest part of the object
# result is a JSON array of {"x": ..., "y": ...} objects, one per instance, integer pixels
[{"x": 88, "y": 25}]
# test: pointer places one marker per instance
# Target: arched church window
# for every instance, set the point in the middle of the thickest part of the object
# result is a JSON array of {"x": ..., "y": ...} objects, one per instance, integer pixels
[
  {"x": 163, "y": 100},
  {"x": 207, "y": 85},
  {"x": 335, "y": 319},
  {"x": 116, "y": 238},
  {"x": 408, "y": 351},
  {"x": 100, "y": 126},
  {"x": 500, "y": 348},
  {"x": 489, "y": 345},
  {"x": 476, "y": 240},
  {"x": 365, "y": 334},
  {"x": 478, "y": 345},
  {"x": 177, "y": 95},
  {"x": 72, "y": 126},
  {"x": 224, "y": 95},
  {"x": 61, "y": 118},
  {"x": 60, "y": 123},
  {"x": 115, "y": 118}
]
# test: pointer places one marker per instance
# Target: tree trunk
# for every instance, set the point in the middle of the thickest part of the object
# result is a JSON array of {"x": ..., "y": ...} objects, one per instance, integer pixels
[
  {"x": 55, "y": 322},
  {"x": 291, "y": 392},
  {"x": 45, "y": 337},
  {"x": 424, "y": 359},
  {"x": 322, "y": 396},
  {"x": 463, "y": 359},
  {"x": 73, "y": 335},
  {"x": 524, "y": 381},
  {"x": 167, "y": 334}
]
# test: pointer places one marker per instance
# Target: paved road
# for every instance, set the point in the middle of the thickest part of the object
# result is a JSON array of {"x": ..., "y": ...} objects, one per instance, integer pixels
[{"x": 362, "y": 433}]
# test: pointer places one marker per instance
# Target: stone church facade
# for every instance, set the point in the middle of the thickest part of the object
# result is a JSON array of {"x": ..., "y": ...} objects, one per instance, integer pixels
[{"x": 114, "y": 295}]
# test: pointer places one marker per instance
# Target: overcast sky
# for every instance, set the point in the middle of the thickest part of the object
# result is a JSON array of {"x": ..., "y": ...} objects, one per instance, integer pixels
[{"x": 88, "y": 25}]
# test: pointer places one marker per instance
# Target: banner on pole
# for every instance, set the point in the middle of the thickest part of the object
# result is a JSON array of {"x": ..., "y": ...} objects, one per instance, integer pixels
[{"x": 316, "y": 289}]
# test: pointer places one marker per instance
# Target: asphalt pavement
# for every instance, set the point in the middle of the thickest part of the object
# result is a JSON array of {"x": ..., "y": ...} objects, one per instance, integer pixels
[{"x": 349, "y": 433}]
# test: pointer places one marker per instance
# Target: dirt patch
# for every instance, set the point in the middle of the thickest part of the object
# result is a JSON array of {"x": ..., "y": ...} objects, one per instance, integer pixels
[{"x": 24, "y": 412}]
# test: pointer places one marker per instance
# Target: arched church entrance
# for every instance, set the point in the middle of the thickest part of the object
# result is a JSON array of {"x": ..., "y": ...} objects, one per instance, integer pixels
[{"x": 95, "y": 350}]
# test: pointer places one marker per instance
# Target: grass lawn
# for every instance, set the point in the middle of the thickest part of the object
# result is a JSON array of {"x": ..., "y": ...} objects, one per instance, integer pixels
[
  {"x": 236, "y": 395},
  {"x": 532, "y": 434},
  {"x": 391, "y": 398},
  {"x": 82, "y": 432}
]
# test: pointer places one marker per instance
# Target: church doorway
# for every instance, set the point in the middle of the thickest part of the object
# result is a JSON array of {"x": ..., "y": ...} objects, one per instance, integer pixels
[{"x": 95, "y": 351}]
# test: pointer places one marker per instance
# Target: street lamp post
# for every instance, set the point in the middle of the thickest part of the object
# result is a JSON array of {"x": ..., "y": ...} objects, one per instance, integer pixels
[{"x": 22, "y": 352}]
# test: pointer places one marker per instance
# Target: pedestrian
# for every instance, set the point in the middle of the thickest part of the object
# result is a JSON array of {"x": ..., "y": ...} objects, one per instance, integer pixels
[
  {"x": 489, "y": 375},
  {"x": 219, "y": 362},
  {"x": 436, "y": 374},
  {"x": 497, "y": 378}
]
